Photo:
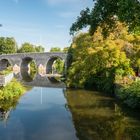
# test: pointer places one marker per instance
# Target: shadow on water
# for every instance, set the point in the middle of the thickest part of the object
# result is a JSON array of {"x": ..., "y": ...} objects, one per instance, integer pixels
[{"x": 101, "y": 118}]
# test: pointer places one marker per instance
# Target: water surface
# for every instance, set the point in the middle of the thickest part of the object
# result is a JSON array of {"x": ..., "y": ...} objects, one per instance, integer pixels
[{"x": 59, "y": 114}]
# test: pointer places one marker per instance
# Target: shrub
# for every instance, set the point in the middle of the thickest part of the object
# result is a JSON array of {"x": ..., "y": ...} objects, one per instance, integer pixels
[
  {"x": 12, "y": 90},
  {"x": 130, "y": 94}
]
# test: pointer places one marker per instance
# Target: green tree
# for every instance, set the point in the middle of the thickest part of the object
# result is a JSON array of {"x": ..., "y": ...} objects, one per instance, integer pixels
[
  {"x": 7, "y": 45},
  {"x": 39, "y": 49},
  {"x": 58, "y": 63},
  {"x": 66, "y": 49},
  {"x": 105, "y": 13},
  {"x": 27, "y": 47},
  {"x": 55, "y": 49},
  {"x": 59, "y": 66},
  {"x": 96, "y": 62}
]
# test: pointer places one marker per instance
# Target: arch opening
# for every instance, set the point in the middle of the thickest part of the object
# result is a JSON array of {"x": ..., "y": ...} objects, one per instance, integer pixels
[
  {"x": 5, "y": 66},
  {"x": 28, "y": 69},
  {"x": 55, "y": 66}
]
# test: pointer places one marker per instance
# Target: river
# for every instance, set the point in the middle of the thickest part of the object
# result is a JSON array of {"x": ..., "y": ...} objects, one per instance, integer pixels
[{"x": 60, "y": 114}]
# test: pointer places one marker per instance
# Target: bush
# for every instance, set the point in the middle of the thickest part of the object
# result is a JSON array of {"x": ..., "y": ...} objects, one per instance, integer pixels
[
  {"x": 12, "y": 90},
  {"x": 130, "y": 94}
]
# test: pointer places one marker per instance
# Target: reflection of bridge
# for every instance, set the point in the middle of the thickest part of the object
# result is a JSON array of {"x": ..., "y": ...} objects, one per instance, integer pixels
[
  {"x": 40, "y": 81},
  {"x": 43, "y": 61}
]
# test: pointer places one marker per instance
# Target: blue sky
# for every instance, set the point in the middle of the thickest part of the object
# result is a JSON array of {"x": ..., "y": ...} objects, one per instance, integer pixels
[{"x": 44, "y": 22}]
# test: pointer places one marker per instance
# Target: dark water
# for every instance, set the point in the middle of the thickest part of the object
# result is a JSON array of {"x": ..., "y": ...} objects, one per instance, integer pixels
[{"x": 58, "y": 114}]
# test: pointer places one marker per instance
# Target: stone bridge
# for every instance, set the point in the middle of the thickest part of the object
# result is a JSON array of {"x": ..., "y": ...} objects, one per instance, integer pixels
[{"x": 43, "y": 61}]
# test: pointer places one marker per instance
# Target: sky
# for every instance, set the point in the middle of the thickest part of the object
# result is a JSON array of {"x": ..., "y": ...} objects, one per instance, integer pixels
[{"x": 40, "y": 22}]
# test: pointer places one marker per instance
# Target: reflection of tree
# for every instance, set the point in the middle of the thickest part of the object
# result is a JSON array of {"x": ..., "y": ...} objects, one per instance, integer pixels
[
  {"x": 28, "y": 76},
  {"x": 6, "y": 106},
  {"x": 9, "y": 100},
  {"x": 98, "y": 117},
  {"x": 4, "y": 114}
]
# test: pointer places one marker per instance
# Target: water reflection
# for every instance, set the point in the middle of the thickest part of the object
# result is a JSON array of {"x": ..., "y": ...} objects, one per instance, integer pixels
[
  {"x": 100, "y": 118},
  {"x": 55, "y": 114},
  {"x": 27, "y": 77},
  {"x": 34, "y": 119},
  {"x": 28, "y": 69},
  {"x": 41, "y": 81},
  {"x": 5, "y": 107}
]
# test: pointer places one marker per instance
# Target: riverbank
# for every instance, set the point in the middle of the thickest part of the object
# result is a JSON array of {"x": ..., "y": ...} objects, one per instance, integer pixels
[
  {"x": 12, "y": 90},
  {"x": 97, "y": 63},
  {"x": 129, "y": 94}
]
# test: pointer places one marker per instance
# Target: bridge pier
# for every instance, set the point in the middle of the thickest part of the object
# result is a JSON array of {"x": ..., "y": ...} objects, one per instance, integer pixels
[
  {"x": 16, "y": 66},
  {"x": 41, "y": 66}
]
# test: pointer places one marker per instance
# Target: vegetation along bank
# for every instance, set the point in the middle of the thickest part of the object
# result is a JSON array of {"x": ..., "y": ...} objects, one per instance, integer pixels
[{"x": 107, "y": 57}]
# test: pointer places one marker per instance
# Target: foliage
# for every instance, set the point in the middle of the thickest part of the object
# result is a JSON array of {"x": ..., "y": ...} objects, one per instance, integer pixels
[
  {"x": 11, "y": 91},
  {"x": 27, "y": 47},
  {"x": 59, "y": 66},
  {"x": 105, "y": 13},
  {"x": 65, "y": 50},
  {"x": 130, "y": 94},
  {"x": 55, "y": 49},
  {"x": 9, "y": 96},
  {"x": 33, "y": 68},
  {"x": 39, "y": 49},
  {"x": 96, "y": 62},
  {"x": 7, "y": 45}
]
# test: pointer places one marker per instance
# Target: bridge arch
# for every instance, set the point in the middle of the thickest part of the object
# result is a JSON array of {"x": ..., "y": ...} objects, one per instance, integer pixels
[
  {"x": 25, "y": 68},
  {"x": 4, "y": 63},
  {"x": 51, "y": 62}
]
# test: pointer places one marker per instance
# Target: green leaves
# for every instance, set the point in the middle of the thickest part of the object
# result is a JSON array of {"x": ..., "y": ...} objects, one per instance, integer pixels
[
  {"x": 7, "y": 45},
  {"x": 82, "y": 21},
  {"x": 27, "y": 47},
  {"x": 105, "y": 13},
  {"x": 131, "y": 94},
  {"x": 55, "y": 49},
  {"x": 103, "y": 58},
  {"x": 11, "y": 91}
]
